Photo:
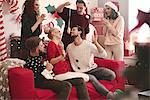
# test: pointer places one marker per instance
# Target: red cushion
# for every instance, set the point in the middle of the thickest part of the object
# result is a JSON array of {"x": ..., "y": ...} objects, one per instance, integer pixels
[
  {"x": 16, "y": 79},
  {"x": 111, "y": 64},
  {"x": 45, "y": 94}
]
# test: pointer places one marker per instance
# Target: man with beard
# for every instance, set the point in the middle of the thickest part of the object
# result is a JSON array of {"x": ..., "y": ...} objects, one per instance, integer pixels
[
  {"x": 81, "y": 54},
  {"x": 72, "y": 18}
]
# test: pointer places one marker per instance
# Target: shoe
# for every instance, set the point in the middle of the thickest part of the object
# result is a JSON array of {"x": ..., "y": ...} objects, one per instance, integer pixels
[
  {"x": 118, "y": 94},
  {"x": 110, "y": 96},
  {"x": 115, "y": 95}
]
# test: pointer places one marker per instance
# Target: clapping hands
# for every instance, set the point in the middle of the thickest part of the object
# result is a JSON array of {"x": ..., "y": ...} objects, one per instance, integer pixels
[{"x": 67, "y": 3}]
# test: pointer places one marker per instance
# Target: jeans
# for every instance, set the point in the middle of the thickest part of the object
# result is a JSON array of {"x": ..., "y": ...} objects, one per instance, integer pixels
[
  {"x": 101, "y": 74},
  {"x": 81, "y": 88},
  {"x": 61, "y": 88}
]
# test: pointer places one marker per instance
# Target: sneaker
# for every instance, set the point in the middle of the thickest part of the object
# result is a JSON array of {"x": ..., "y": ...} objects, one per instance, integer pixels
[
  {"x": 118, "y": 94},
  {"x": 110, "y": 96},
  {"x": 115, "y": 95}
]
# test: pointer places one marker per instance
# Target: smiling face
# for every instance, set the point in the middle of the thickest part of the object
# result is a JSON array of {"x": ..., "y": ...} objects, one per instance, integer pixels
[
  {"x": 56, "y": 34},
  {"x": 75, "y": 32},
  {"x": 80, "y": 8},
  {"x": 107, "y": 11}
]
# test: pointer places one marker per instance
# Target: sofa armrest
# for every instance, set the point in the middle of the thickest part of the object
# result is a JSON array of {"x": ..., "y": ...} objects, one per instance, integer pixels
[
  {"x": 116, "y": 66},
  {"x": 21, "y": 83}
]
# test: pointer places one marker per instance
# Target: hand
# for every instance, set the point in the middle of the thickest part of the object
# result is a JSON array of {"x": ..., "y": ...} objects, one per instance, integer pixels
[
  {"x": 95, "y": 37},
  {"x": 68, "y": 30},
  {"x": 106, "y": 22},
  {"x": 41, "y": 18},
  {"x": 49, "y": 66},
  {"x": 67, "y": 4},
  {"x": 62, "y": 58},
  {"x": 64, "y": 53}
]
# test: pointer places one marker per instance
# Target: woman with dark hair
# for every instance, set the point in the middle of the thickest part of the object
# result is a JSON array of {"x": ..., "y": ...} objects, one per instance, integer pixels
[
  {"x": 114, "y": 24},
  {"x": 31, "y": 22}
]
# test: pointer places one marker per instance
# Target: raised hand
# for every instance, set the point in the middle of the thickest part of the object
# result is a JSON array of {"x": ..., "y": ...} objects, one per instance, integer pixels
[
  {"x": 67, "y": 4},
  {"x": 68, "y": 30},
  {"x": 95, "y": 37}
]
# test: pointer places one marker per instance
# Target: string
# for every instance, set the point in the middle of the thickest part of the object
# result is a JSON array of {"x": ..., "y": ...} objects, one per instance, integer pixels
[{"x": 69, "y": 21}]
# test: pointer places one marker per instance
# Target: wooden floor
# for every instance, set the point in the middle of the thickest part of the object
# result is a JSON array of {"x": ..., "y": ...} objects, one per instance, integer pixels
[{"x": 131, "y": 93}]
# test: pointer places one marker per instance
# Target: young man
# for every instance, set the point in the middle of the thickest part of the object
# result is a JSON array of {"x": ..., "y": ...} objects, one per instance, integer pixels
[
  {"x": 72, "y": 18},
  {"x": 35, "y": 63},
  {"x": 81, "y": 54}
]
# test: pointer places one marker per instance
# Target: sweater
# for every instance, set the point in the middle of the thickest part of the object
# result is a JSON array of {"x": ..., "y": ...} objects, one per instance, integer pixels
[
  {"x": 82, "y": 57},
  {"x": 112, "y": 39}
]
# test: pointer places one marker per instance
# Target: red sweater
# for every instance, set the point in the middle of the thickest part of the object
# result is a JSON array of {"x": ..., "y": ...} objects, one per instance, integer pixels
[{"x": 54, "y": 51}]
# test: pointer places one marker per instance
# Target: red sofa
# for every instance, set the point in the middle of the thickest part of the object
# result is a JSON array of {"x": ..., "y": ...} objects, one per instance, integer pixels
[{"x": 21, "y": 83}]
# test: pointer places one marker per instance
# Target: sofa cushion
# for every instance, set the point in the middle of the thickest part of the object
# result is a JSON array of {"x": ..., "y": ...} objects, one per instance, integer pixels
[
  {"x": 111, "y": 64},
  {"x": 45, "y": 94}
]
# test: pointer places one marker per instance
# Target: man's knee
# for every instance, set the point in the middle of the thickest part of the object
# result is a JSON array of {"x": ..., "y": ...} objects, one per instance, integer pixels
[
  {"x": 66, "y": 85},
  {"x": 79, "y": 81},
  {"x": 92, "y": 77},
  {"x": 112, "y": 76}
]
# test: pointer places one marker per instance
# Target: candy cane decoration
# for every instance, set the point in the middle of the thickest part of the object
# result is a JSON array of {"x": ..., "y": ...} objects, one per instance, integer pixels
[{"x": 13, "y": 9}]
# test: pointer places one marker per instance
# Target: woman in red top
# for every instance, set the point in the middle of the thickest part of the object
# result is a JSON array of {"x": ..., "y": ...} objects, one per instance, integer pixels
[{"x": 56, "y": 56}]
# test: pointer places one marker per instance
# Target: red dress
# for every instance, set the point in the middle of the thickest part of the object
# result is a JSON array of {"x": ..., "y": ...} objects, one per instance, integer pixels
[{"x": 53, "y": 51}]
